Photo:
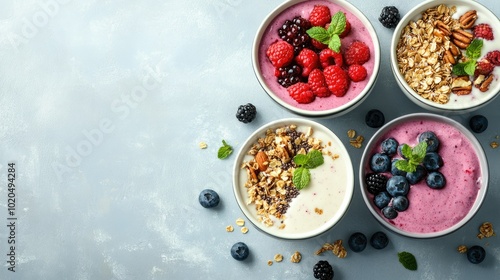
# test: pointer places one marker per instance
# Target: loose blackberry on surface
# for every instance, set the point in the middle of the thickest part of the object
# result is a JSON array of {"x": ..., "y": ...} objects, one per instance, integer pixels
[
  {"x": 246, "y": 113},
  {"x": 323, "y": 270},
  {"x": 389, "y": 16}
]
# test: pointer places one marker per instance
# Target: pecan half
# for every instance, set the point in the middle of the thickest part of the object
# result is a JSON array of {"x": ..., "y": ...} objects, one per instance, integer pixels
[
  {"x": 449, "y": 58},
  {"x": 461, "y": 85},
  {"x": 468, "y": 19},
  {"x": 442, "y": 27},
  {"x": 483, "y": 82},
  {"x": 461, "y": 38}
]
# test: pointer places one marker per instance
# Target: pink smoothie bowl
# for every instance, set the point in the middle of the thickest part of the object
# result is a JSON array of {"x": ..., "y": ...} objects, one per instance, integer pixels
[
  {"x": 431, "y": 212},
  {"x": 321, "y": 107}
]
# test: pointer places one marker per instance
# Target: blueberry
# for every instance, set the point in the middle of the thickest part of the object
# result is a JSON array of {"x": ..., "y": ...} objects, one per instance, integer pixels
[
  {"x": 416, "y": 176},
  {"x": 397, "y": 185},
  {"x": 357, "y": 242},
  {"x": 380, "y": 163},
  {"x": 431, "y": 139},
  {"x": 432, "y": 161},
  {"x": 374, "y": 118},
  {"x": 476, "y": 254},
  {"x": 400, "y": 153},
  {"x": 239, "y": 251},
  {"x": 478, "y": 123},
  {"x": 382, "y": 199},
  {"x": 435, "y": 180},
  {"x": 389, "y": 146},
  {"x": 389, "y": 212},
  {"x": 400, "y": 203},
  {"x": 394, "y": 170},
  {"x": 379, "y": 240},
  {"x": 208, "y": 198}
]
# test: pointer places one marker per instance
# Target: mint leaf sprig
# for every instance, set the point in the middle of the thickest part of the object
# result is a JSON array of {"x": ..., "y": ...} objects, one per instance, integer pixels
[
  {"x": 330, "y": 36},
  {"x": 408, "y": 260},
  {"x": 302, "y": 175},
  {"x": 224, "y": 151},
  {"x": 472, "y": 54},
  {"x": 414, "y": 156}
]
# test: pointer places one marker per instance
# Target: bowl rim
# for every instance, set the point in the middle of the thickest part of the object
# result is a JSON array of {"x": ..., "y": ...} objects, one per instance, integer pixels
[
  {"x": 409, "y": 92},
  {"x": 241, "y": 197},
  {"x": 483, "y": 161},
  {"x": 334, "y": 112}
]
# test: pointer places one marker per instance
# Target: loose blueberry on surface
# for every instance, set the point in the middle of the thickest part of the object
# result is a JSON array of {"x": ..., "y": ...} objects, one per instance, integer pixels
[
  {"x": 375, "y": 182},
  {"x": 400, "y": 203},
  {"x": 417, "y": 175},
  {"x": 379, "y": 240},
  {"x": 357, "y": 242},
  {"x": 476, "y": 254},
  {"x": 208, "y": 198},
  {"x": 389, "y": 146},
  {"x": 380, "y": 163},
  {"x": 435, "y": 180},
  {"x": 389, "y": 212},
  {"x": 374, "y": 118},
  {"x": 240, "y": 251},
  {"x": 394, "y": 170},
  {"x": 432, "y": 161},
  {"x": 323, "y": 270},
  {"x": 382, "y": 199},
  {"x": 397, "y": 186},
  {"x": 478, "y": 123},
  {"x": 431, "y": 139}
]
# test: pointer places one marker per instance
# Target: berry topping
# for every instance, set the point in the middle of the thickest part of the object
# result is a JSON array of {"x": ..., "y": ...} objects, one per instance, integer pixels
[
  {"x": 395, "y": 170},
  {"x": 435, "y": 180},
  {"x": 484, "y": 67},
  {"x": 431, "y": 139},
  {"x": 347, "y": 29},
  {"x": 389, "y": 212},
  {"x": 374, "y": 118},
  {"x": 320, "y": 15},
  {"x": 476, "y": 254},
  {"x": 397, "y": 186},
  {"x": 483, "y": 30},
  {"x": 357, "y": 242},
  {"x": 294, "y": 32},
  {"x": 318, "y": 84},
  {"x": 389, "y": 16},
  {"x": 280, "y": 53},
  {"x": 379, "y": 240},
  {"x": 375, "y": 182},
  {"x": 478, "y": 123},
  {"x": 323, "y": 270},
  {"x": 309, "y": 61},
  {"x": 246, "y": 113},
  {"x": 494, "y": 57},
  {"x": 318, "y": 45},
  {"x": 417, "y": 175},
  {"x": 389, "y": 146},
  {"x": 240, "y": 251},
  {"x": 301, "y": 92},
  {"x": 328, "y": 57},
  {"x": 337, "y": 80},
  {"x": 400, "y": 203},
  {"x": 357, "y": 73},
  {"x": 208, "y": 198},
  {"x": 289, "y": 75},
  {"x": 432, "y": 161},
  {"x": 380, "y": 163},
  {"x": 357, "y": 53},
  {"x": 382, "y": 199}
]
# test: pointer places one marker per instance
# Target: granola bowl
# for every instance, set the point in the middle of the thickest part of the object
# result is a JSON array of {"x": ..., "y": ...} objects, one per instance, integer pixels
[
  {"x": 443, "y": 55},
  {"x": 277, "y": 78},
  {"x": 282, "y": 157},
  {"x": 446, "y": 189}
]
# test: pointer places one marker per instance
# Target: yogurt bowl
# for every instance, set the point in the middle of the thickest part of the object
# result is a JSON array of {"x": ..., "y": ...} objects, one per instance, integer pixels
[
  {"x": 270, "y": 186},
  {"x": 267, "y": 72},
  {"x": 433, "y": 210},
  {"x": 429, "y": 54}
]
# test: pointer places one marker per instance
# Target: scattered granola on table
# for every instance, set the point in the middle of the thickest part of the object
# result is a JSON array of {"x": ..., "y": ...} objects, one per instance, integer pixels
[{"x": 486, "y": 230}]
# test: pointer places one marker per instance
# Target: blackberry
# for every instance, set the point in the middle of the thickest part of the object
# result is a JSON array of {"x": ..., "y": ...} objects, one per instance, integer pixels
[
  {"x": 289, "y": 75},
  {"x": 294, "y": 32},
  {"x": 375, "y": 182},
  {"x": 323, "y": 271},
  {"x": 389, "y": 17},
  {"x": 246, "y": 113}
]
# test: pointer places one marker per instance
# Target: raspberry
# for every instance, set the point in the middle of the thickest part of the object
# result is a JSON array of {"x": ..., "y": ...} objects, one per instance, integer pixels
[
  {"x": 336, "y": 79},
  {"x": 318, "y": 45},
  {"x": 308, "y": 59},
  {"x": 483, "y": 67},
  {"x": 280, "y": 53},
  {"x": 357, "y": 53},
  {"x": 318, "y": 84},
  {"x": 328, "y": 57},
  {"x": 483, "y": 30},
  {"x": 347, "y": 29},
  {"x": 356, "y": 72},
  {"x": 320, "y": 15},
  {"x": 301, "y": 92},
  {"x": 494, "y": 57}
]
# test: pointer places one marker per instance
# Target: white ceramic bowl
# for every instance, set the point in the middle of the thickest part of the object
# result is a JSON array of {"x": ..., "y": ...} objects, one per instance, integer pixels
[
  {"x": 441, "y": 210},
  {"x": 457, "y": 104},
  {"x": 321, "y": 107},
  {"x": 321, "y": 204}
]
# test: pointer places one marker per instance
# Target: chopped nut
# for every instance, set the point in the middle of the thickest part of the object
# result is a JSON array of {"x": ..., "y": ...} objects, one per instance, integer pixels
[
  {"x": 486, "y": 230},
  {"x": 240, "y": 222},
  {"x": 339, "y": 250},
  {"x": 462, "y": 249},
  {"x": 269, "y": 262},
  {"x": 296, "y": 257},
  {"x": 244, "y": 230},
  {"x": 318, "y": 211},
  {"x": 494, "y": 144},
  {"x": 203, "y": 145},
  {"x": 229, "y": 228},
  {"x": 278, "y": 257}
]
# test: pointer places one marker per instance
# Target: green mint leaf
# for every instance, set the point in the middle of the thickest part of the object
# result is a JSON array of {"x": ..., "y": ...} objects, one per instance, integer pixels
[
  {"x": 459, "y": 69},
  {"x": 338, "y": 23},
  {"x": 301, "y": 177},
  {"x": 470, "y": 67},
  {"x": 418, "y": 152},
  {"x": 408, "y": 260},
  {"x": 405, "y": 165},
  {"x": 334, "y": 43},
  {"x": 315, "y": 159},
  {"x": 473, "y": 51},
  {"x": 224, "y": 151},
  {"x": 319, "y": 33},
  {"x": 300, "y": 159}
]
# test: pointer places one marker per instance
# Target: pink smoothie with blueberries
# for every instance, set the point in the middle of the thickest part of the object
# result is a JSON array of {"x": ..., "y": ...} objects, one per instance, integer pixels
[
  {"x": 306, "y": 73},
  {"x": 443, "y": 190}
]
